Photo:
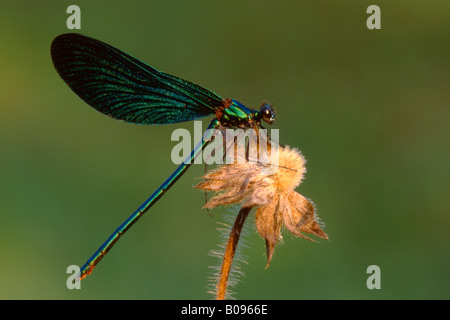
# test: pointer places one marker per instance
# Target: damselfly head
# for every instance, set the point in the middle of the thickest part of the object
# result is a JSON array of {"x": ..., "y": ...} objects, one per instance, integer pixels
[{"x": 267, "y": 113}]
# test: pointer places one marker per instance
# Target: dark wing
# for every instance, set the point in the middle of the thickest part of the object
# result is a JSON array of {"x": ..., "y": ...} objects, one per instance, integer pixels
[{"x": 123, "y": 87}]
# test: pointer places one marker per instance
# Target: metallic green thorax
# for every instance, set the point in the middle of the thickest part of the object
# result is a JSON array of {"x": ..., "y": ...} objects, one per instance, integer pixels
[{"x": 236, "y": 114}]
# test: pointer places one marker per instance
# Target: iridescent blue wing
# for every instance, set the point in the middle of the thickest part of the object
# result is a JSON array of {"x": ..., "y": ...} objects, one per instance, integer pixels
[{"x": 125, "y": 88}]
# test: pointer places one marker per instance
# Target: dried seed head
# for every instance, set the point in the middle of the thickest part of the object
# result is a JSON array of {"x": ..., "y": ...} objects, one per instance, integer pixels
[{"x": 271, "y": 190}]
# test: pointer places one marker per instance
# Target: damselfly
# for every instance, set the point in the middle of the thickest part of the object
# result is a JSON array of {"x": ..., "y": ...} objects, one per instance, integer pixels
[{"x": 124, "y": 88}]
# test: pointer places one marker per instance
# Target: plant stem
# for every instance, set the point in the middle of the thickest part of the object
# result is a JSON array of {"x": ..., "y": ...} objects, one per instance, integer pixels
[{"x": 230, "y": 251}]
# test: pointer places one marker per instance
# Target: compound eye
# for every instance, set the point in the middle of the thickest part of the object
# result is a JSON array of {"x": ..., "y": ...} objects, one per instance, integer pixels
[{"x": 267, "y": 113}]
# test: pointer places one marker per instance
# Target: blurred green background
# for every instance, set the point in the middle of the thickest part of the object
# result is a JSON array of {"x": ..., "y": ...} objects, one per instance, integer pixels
[{"x": 368, "y": 108}]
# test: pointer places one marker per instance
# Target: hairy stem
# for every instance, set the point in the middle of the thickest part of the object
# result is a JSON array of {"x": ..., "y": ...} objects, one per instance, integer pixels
[{"x": 230, "y": 250}]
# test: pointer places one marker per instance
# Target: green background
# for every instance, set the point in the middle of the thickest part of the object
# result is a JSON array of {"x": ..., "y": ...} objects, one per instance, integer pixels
[{"x": 368, "y": 108}]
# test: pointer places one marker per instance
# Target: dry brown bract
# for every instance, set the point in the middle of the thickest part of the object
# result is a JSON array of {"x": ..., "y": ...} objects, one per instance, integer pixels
[{"x": 270, "y": 188}]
